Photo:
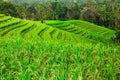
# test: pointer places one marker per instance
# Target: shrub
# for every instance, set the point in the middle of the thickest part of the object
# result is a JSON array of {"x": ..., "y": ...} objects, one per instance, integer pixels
[{"x": 117, "y": 36}]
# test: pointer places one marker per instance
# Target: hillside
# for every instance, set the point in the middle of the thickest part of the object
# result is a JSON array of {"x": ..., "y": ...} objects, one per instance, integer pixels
[
  {"x": 57, "y": 50},
  {"x": 72, "y": 30},
  {"x": 100, "y": 12},
  {"x": 59, "y": 39}
]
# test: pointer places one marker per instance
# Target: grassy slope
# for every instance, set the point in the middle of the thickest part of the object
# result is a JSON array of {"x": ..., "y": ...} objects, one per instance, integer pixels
[{"x": 57, "y": 50}]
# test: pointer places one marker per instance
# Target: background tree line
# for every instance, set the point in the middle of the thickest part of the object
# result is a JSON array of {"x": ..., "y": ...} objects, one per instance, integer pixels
[{"x": 105, "y": 13}]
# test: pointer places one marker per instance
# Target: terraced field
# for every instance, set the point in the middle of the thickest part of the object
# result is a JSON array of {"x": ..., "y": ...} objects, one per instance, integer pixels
[
  {"x": 85, "y": 29},
  {"x": 13, "y": 27},
  {"x": 73, "y": 30},
  {"x": 57, "y": 50}
]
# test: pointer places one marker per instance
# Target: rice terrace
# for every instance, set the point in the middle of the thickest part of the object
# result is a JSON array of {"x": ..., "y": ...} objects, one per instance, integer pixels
[{"x": 38, "y": 44}]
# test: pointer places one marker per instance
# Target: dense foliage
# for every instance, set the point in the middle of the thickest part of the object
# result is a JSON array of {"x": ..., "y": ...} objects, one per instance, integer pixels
[
  {"x": 26, "y": 60},
  {"x": 55, "y": 49},
  {"x": 106, "y": 13},
  {"x": 117, "y": 37}
]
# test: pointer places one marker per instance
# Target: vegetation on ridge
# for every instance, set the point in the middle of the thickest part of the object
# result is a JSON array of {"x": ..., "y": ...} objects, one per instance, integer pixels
[
  {"x": 54, "y": 41},
  {"x": 101, "y": 12},
  {"x": 72, "y": 49}
]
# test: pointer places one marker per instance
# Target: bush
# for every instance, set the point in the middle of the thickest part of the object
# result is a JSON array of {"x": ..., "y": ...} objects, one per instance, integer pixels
[{"x": 117, "y": 36}]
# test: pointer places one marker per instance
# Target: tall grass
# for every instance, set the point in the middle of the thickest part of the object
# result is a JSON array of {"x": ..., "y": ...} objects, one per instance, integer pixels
[
  {"x": 37, "y": 60},
  {"x": 60, "y": 50}
]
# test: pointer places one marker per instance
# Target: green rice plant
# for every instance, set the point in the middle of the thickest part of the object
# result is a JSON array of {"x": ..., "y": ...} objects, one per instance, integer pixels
[
  {"x": 2, "y": 15},
  {"x": 16, "y": 33},
  {"x": 65, "y": 50},
  {"x": 10, "y": 23},
  {"x": 6, "y": 18},
  {"x": 7, "y": 30},
  {"x": 25, "y": 31},
  {"x": 40, "y": 60}
]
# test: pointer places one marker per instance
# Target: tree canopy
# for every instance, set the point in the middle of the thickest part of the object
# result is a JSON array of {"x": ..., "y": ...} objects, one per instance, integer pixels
[{"x": 101, "y": 12}]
